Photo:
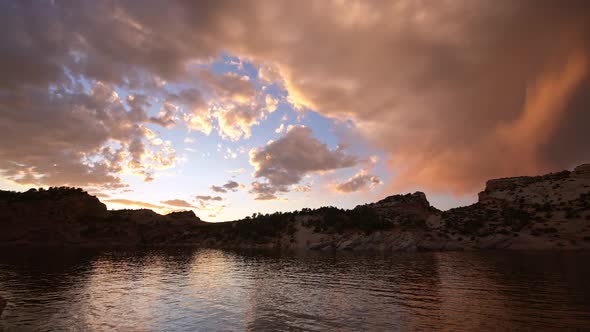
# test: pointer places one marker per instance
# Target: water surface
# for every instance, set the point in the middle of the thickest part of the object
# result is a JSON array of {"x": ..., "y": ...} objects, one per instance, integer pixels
[{"x": 211, "y": 290}]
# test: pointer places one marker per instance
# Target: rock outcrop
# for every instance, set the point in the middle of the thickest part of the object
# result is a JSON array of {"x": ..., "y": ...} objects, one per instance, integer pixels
[
  {"x": 550, "y": 211},
  {"x": 582, "y": 171},
  {"x": 183, "y": 216},
  {"x": 415, "y": 203}
]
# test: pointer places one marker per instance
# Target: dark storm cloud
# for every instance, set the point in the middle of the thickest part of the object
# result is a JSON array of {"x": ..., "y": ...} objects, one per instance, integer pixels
[
  {"x": 287, "y": 160},
  {"x": 454, "y": 91}
]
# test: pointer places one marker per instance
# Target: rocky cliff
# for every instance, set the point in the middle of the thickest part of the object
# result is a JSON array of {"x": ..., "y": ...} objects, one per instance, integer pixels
[
  {"x": 582, "y": 171},
  {"x": 530, "y": 212},
  {"x": 551, "y": 212}
]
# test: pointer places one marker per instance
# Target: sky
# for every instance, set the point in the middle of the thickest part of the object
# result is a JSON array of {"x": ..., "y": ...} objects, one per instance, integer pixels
[{"x": 229, "y": 108}]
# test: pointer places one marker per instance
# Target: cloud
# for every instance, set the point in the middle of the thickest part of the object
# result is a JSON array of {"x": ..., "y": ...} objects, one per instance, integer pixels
[
  {"x": 435, "y": 86},
  {"x": 286, "y": 161},
  {"x": 218, "y": 189},
  {"x": 280, "y": 128},
  {"x": 208, "y": 203},
  {"x": 209, "y": 198},
  {"x": 302, "y": 188},
  {"x": 178, "y": 203},
  {"x": 197, "y": 116},
  {"x": 229, "y": 186},
  {"x": 237, "y": 171},
  {"x": 265, "y": 191},
  {"x": 76, "y": 138},
  {"x": 214, "y": 209},
  {"x": 230, "y": 154},
  {"x": 134, "y": 203},
  {"x": 363, "y": 180},
  {"x": 271, "y": 103},
  {"x": 454, "y": 91},
  {"x": 229, "y": 87},
  {"x": 360, "y": 181},
  {"x": 236, "y": 104},
  {"x": 235, "y": 121},
  {"x": 166, "y": 118}
]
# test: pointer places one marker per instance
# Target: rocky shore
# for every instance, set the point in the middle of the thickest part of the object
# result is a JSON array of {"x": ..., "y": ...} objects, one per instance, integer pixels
[{"x": 551, "y": 211}]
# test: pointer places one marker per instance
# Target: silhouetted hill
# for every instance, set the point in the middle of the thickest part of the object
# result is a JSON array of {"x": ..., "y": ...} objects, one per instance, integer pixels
[
  {"x": 531, "y": 212},
  {"x": 70, "y": 216}
]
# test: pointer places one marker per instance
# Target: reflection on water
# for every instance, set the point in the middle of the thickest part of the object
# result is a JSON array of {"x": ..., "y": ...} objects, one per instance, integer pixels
[{"x": 183, "y": 289}]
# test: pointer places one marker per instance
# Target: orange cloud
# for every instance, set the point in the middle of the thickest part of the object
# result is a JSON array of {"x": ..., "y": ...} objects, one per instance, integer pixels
[
  {"x": 178, "y": 203},
  {"x": 444, "y": 88},
  {"x": 129, "y": 202},
  {"x": 546, "y": 102},
  {"x": 512, "y": 148}
]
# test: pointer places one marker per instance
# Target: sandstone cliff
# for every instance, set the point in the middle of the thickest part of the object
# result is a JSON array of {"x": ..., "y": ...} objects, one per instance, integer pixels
[{"x": 531, "y": 212}]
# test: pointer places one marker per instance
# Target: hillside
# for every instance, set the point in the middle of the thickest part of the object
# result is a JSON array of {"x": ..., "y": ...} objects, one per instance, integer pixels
[
  {"x": 531, "y": 212},
  {"x": 70, "y": 216}
]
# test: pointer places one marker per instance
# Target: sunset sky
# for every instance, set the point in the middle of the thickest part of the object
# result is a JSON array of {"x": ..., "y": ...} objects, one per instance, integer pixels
[{"x": 235, "y": 107}]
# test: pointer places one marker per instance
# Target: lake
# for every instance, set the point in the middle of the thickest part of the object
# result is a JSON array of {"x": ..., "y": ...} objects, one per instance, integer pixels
[{"x": 216, "y": 290}]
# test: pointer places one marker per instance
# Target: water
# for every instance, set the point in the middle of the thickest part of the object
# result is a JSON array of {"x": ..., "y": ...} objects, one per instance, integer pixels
[{"x": 212, "y": 290}]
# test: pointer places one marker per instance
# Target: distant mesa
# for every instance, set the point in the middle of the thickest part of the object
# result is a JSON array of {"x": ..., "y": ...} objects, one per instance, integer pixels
[
  {"x": 408, "y": 200},
  {"x": 183, "y": 215}
]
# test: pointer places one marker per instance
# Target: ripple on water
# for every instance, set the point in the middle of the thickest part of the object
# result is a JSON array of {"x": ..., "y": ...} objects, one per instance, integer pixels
[{"x": 183, "y": 289}]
